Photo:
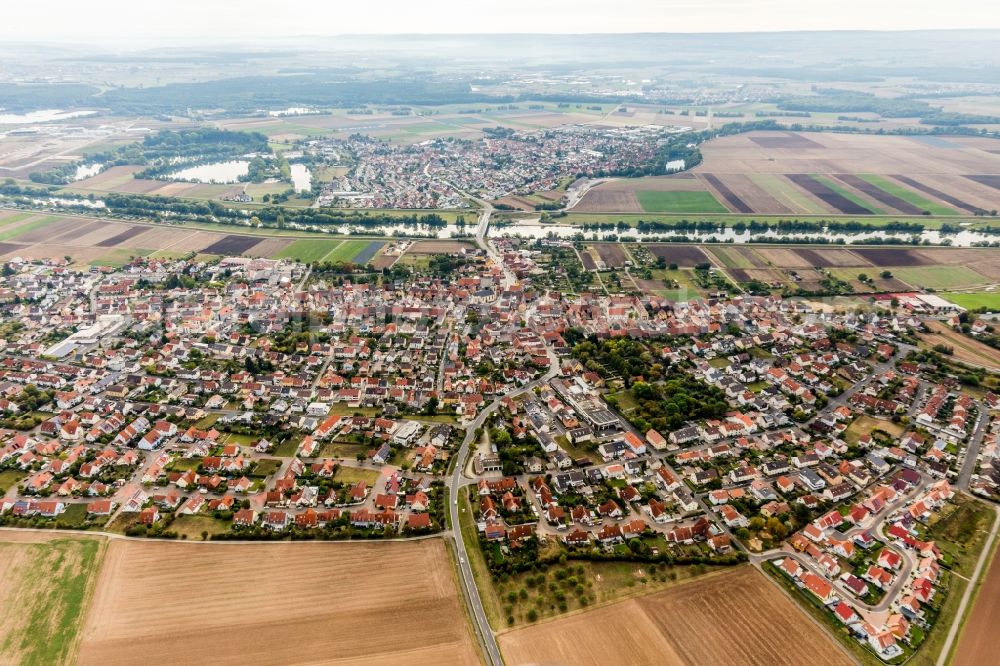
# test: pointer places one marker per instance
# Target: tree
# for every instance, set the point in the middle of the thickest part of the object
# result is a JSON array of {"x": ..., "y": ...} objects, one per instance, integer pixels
[
  {"x": 431, "y": 407},
  {"x": 886, "y": 275}
]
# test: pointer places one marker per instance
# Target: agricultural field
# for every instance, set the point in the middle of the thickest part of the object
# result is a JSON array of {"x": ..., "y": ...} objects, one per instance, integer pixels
[
  {"x": 940, "y": 278},
  {"x": 977, "y": 639},
  {"x": 327, "y": 594},
  {"x": 309, "y": 250},
  {"x": 732, "y": 617},
  {"x": 975, "y": 300},
  {"x": 46, "y": 583},
  {"x": 679, "y": 202},
  {"x": 964, "y": 348},
  {"x": 862, "y": 167},
  {"x": 817, "y": 173},
  {"x": 685, "y": 256}
]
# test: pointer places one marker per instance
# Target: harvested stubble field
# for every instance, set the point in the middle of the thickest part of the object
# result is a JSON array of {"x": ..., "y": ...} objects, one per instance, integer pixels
[
  {"x": 732, "y": 617},
  {"x": 780, "y": 257},
  {"x": 288, "y": 603},
  {"x": 965, "y": 349},
  {"x": 608, "y": 201}
]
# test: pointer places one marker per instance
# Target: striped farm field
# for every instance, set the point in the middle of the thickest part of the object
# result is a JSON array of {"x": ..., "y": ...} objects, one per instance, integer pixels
[
  {"x": 309, "y": 250},
  {"x": 907, "y": 195},
  {"x": 347, "y": 251},
  {"x": 30, "y": 225}
]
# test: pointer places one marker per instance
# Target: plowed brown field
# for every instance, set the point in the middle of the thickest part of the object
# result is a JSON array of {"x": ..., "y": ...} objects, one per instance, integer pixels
[
  {"x": 287, "y": 603},
  {"x": 736, "y": 617}
]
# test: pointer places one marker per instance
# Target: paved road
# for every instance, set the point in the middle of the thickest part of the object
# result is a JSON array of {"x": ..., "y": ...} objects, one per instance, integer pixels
[
  {"x": 469, "y": 588},
  {"x": 972, "y": 450}
]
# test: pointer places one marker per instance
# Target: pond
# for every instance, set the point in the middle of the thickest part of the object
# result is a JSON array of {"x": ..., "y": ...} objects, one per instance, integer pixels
[
  {"x": 216, "y": 172},
  {"x": 301, "y": 177},
  {"x": 87, "y": 170}
]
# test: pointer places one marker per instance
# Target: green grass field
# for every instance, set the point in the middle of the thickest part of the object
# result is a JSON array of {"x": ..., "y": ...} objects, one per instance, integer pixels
[
  {"x": 309, "y": 250},
  {"x": 119, "y": 257},
  {"x": 10, "y": 477},
  {"x": 939, "y": 277},
  {"x": 347, "y": 251},
  {"x": 679, "y": 202},
  {"x": 988, "y": 300},
  {"x": 908, "y": 195},
  {"x": 193, "y": 526},
  {"x": 44, "y": 592}
]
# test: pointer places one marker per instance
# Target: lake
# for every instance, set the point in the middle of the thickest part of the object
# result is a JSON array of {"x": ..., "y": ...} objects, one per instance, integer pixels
[
  {"x": 43, "y": 116},
  {"x": 216, "y": 172}
]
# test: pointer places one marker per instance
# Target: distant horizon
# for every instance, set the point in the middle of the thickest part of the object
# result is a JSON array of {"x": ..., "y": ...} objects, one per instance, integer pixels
[
  {"x": 139, "y": 43},
  {"x": 186, "y": 21}
]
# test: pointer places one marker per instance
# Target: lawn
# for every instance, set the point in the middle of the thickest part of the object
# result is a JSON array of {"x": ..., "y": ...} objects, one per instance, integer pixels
[
  {"x": 309, "y": 250},
  {"x": 193, "y": 526},
  {"x": 119, "y": 257},
  {"x": 287, "y": 448},
  {"x": 939, "y": 277},
  {"x": 8, "y": 478},
  {"x": 988, "y": 300},
  {"x": 342, "y": 450},
  {"x": 74, "y": 515},
  {"x": 44, "y": 591},
  {"x": 865, "y": 424},
  {"x": 354, "y": 474},
  {"x": 907, "y": 195},
  {"x": 679, "y": 202},
  {"x": 266, "y": 467}
]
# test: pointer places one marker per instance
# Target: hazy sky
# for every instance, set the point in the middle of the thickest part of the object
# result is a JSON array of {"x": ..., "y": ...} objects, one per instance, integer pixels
[{"x": 138, "y": 20}]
